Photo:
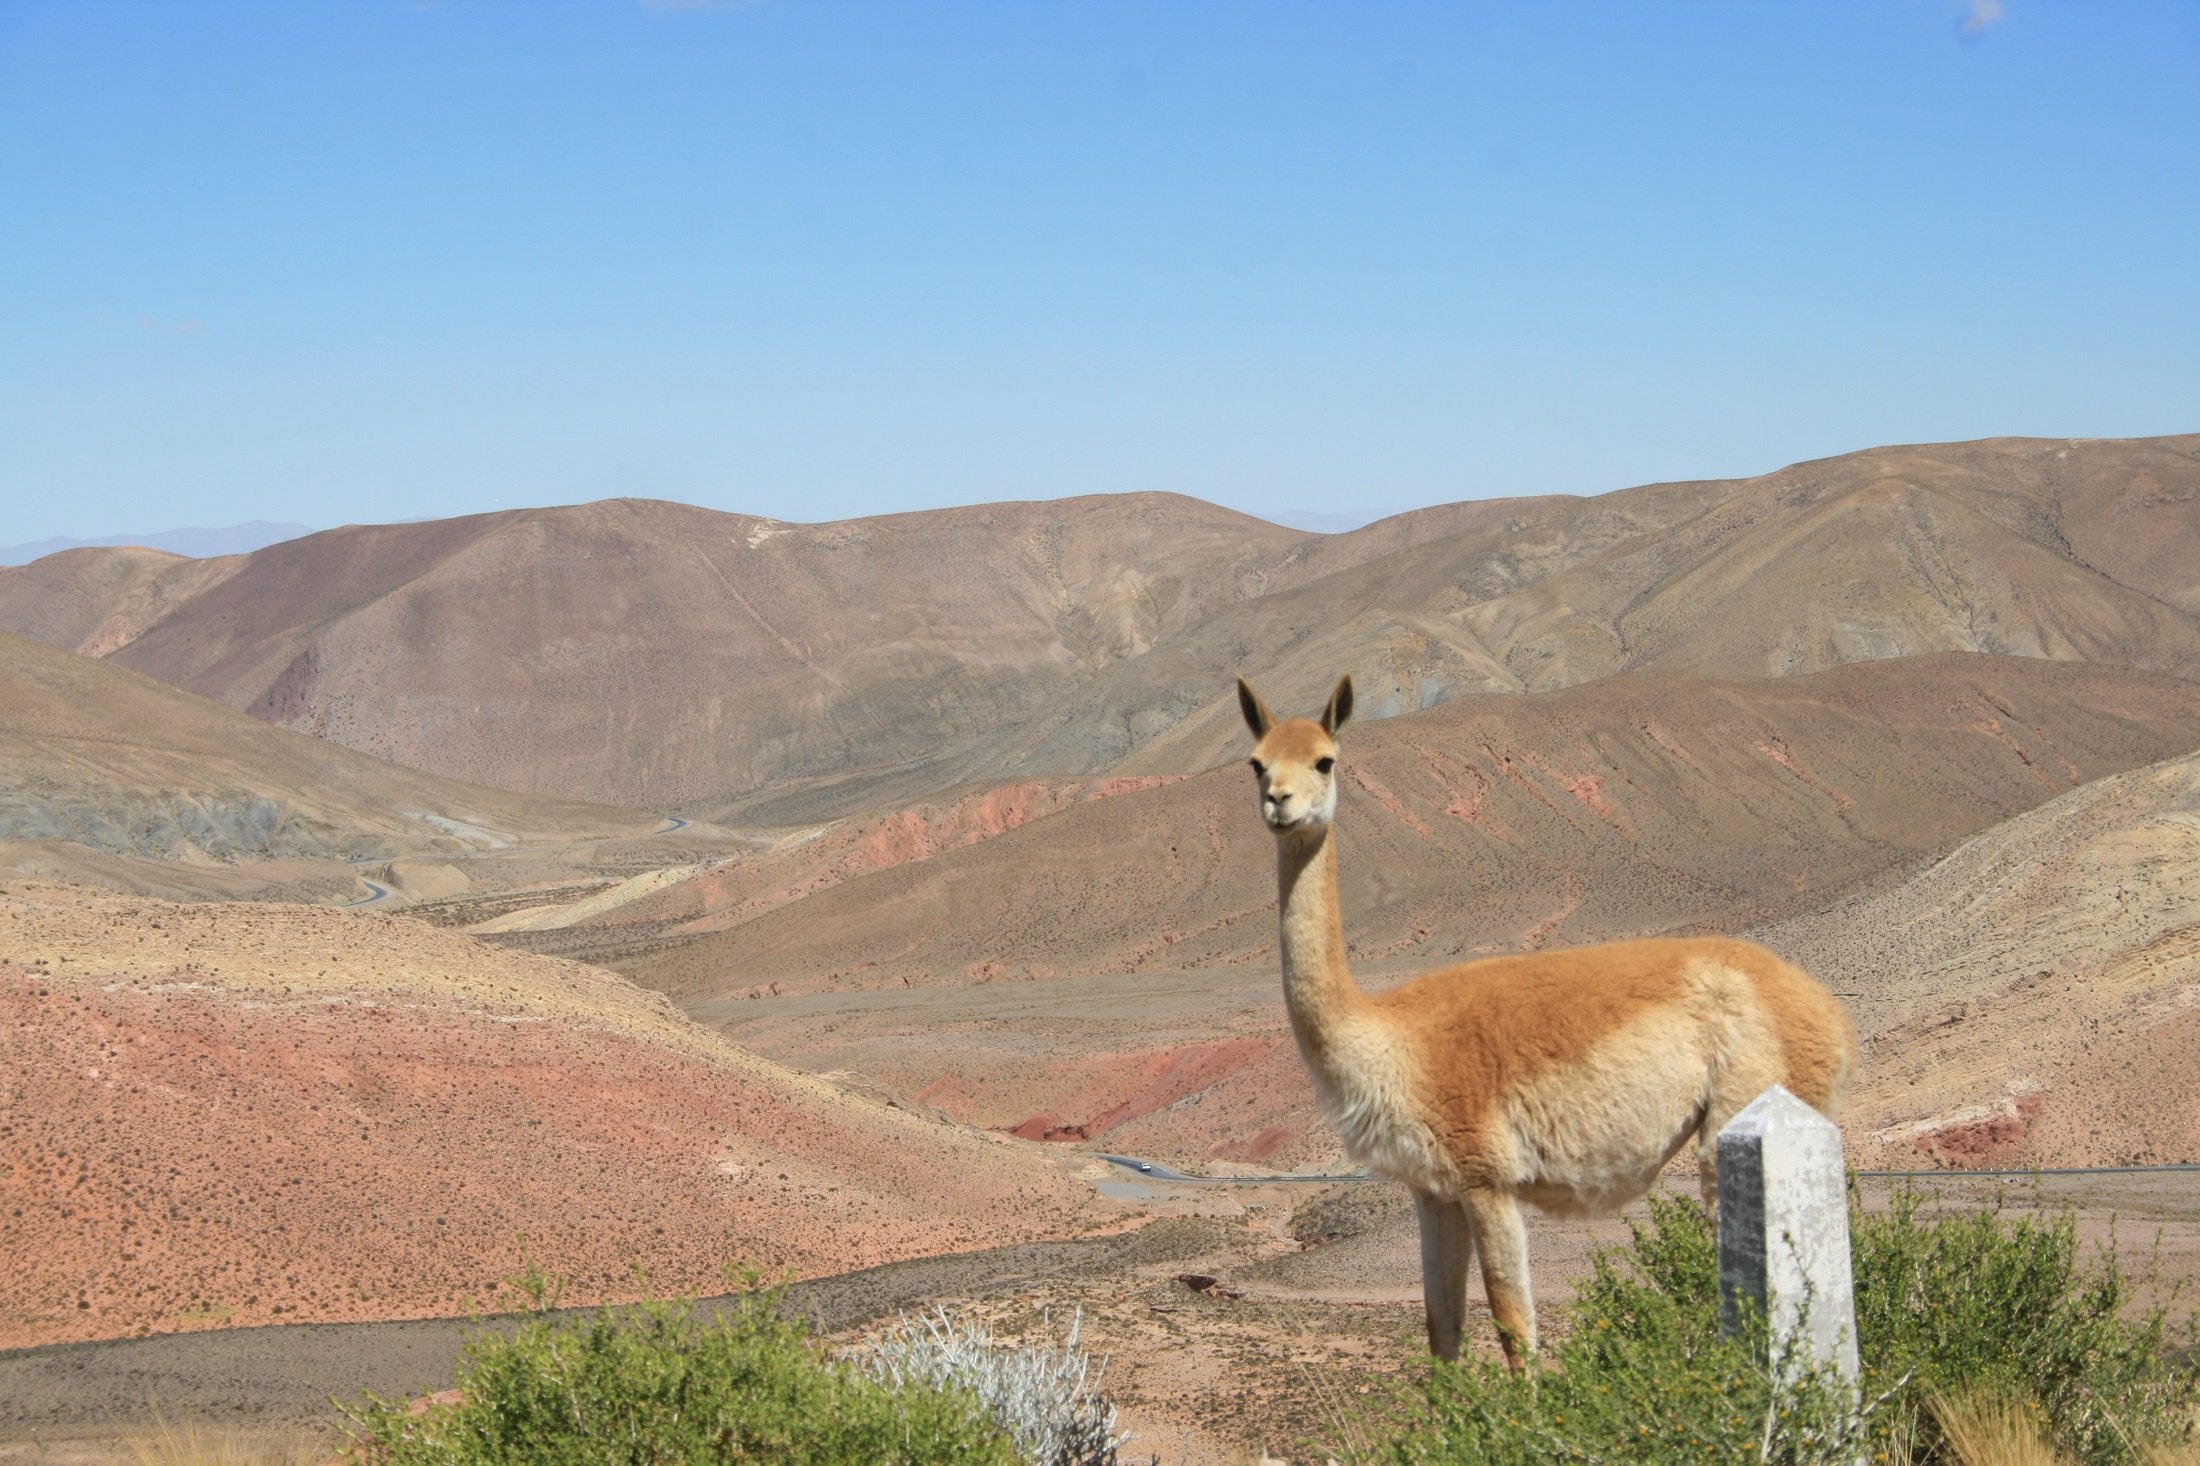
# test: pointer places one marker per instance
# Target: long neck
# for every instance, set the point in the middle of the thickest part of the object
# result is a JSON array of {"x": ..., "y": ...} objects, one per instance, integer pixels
[{"x": 1318, "y": 990}]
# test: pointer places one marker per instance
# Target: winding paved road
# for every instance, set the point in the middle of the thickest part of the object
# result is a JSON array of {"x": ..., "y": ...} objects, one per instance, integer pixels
[{"x": 381, "y": 893}]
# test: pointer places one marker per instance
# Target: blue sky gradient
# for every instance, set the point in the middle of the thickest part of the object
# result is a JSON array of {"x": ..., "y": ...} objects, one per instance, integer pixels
[{"x": 376, "y": 260}]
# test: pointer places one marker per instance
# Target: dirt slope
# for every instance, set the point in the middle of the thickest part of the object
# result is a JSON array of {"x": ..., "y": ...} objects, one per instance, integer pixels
[
  {"x": 673, "y": 904},
  {"x": 96, "y": 754},
  {"x": 233, "y": 1114},
  {"x": 2033, "y": 997},
  {"x": 1493, "y": 823}
]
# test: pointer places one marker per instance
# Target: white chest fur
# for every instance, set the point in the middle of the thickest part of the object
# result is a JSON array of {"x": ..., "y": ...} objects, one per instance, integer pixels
[{"x": 1365, "y": 1078}]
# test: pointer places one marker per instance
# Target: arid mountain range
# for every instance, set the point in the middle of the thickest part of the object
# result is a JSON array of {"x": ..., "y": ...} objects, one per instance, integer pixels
[
  {"x": 653, "y": 655},
  {"x": 925, "y": 865}
]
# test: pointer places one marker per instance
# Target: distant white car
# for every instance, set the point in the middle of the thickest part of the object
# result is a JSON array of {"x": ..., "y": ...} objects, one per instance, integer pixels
[{"x": 1146, "y": 1166}]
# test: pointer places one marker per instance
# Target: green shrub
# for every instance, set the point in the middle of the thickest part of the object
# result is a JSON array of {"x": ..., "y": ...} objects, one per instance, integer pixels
[
  {"x": 1977, "y": 1304},
  {"x": 655, "y": 1383},
  {"x": 1967, "y": 1304},
  {"x": 1639, "y": 1373}
]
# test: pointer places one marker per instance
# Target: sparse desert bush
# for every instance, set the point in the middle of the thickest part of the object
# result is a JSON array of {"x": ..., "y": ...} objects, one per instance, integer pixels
[
  {"x": 1973, "y": 1307},
  {"x": 1973, "y": 1304},
  {"x": 1640, "y": 1373},
  {"x": 656, "y": 1383},
  {"x": 1046, "y": 1396}
]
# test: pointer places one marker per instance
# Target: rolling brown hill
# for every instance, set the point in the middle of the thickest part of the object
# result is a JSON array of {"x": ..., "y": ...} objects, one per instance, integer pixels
[
  {"x": 2032, "y": 998},
  {"x": 116, "y": 762},
  {"x": 768, "y": 673},
  {"x": 645, "y": 652},
  {"x": 2069, "y": 550},
  {"x": 96, "y": 600},
  {"x": 674, "y": 904},
  {"x": 1628, "y": 805},
  {"x": 229, "y": 1114}
]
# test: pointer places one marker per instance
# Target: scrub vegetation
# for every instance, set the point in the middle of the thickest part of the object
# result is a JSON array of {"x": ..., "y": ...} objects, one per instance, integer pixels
[{"x": 1973, "y": 1326}]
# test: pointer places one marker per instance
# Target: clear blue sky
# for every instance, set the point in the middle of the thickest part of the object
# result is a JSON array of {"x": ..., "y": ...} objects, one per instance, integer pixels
[{"x": 369, "y": 259}]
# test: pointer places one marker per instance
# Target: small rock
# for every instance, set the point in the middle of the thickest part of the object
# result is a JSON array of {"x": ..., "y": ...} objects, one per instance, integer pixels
[{"x": 436, "y": 1401}]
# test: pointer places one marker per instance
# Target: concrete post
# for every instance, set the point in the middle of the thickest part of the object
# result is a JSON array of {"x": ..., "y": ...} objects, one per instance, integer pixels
[{"x": 1784, "y": 1232}]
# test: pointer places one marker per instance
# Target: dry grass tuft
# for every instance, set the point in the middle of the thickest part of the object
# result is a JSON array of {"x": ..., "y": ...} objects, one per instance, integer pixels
[
  {"x": 1987, "y": 1430},
  {"x": 171, "y": 1444},
  {"x": 2185, "y": 1455}
]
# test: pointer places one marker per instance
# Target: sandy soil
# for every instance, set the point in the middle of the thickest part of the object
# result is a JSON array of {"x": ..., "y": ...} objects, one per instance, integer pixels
[{"x": 241, "y": 1114}]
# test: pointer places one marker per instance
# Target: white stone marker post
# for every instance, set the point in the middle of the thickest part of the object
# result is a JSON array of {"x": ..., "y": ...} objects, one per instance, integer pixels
[{"x": 1784, "y": 1232}]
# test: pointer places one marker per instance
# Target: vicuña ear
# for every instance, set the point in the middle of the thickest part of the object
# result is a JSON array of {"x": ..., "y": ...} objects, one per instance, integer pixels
[
  {"x": 1257, "y": 716},
  {"x": 1339, "y": 711}
]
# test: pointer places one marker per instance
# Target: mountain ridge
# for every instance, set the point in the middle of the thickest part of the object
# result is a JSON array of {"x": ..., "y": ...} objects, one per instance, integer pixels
[{"x": 746, "y": 669}]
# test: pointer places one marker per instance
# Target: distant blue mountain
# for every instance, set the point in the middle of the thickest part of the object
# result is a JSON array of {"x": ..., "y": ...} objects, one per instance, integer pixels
[
  {"x": 1321, "y": 523},
  {"x": 197, "y": 543}
]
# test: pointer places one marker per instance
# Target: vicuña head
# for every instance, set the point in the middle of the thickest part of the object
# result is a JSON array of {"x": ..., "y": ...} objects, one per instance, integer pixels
[
  {"x": 1296, "y": 760},
  {"x": 1562, "y": 1079}
]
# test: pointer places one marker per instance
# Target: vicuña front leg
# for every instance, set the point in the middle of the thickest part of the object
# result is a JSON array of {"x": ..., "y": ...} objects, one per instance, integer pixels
[
  {"x": 1447, "y": 1247},
  {"x": 1503, "y": 1238}
]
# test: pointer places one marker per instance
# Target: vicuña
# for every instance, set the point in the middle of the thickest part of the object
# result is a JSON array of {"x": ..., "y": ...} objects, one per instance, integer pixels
[{"x": 1566, "y": 1079}]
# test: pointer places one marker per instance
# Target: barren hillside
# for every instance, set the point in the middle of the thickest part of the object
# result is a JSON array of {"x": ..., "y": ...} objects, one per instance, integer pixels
[
  {"x": 238, "y": 1114},
  {"x": 1490, "y": 823},
  {"x": 2033, "y": 997},
  {"x": 651, "y": 653},
  {"x": 97, "y": 600},
  {"x": 116, "y": 762},
  {"x": 2070, "y": 550},
  {"x": 673, "y": 904}
]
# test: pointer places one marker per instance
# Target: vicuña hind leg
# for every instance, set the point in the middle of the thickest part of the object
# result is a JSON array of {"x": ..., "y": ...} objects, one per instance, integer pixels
[
  {"x": 1731, "y": 1093},
  {"x": 1447, "y": 1247},
  {"x": 1503, "y": 1237}
]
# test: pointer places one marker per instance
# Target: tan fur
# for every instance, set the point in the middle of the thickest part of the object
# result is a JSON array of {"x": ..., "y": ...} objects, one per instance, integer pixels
[{"x": 1563, "y": 1079}]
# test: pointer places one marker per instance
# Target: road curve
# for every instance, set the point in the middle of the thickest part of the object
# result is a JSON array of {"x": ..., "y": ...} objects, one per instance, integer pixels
[
  {"x": 380, "y": 893},
  {"x": 377, "y": 893},
  {"x": 1155, "y": 1171}
]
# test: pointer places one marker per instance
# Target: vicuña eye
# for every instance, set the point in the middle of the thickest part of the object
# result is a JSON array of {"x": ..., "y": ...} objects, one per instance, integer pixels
[
  {"x": 1324, "y": 765},
  {"x": 1259, "y": 768}
]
